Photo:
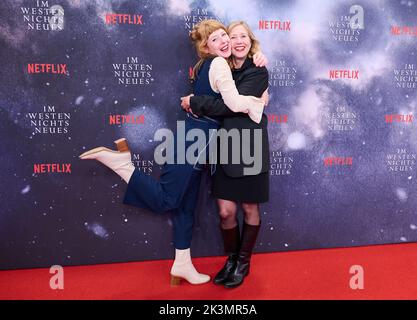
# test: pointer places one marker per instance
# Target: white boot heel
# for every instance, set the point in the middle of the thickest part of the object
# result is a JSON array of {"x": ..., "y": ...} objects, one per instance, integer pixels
[{"x": 175, "y": 281}]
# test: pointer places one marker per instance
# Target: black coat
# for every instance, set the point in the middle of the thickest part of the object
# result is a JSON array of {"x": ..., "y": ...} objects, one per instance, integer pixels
[{"x": 250, "y": 81}]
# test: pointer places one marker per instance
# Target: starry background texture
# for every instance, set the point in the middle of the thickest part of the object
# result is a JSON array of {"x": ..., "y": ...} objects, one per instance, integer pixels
[{"x": 79, "y": 218}]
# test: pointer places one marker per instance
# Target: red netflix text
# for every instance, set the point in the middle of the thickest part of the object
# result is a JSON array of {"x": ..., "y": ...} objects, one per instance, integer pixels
[
  {"x": 344, "y": 74},
  {"x": 274, "y": 25},
  {"x": 277, "y": 118},
  {"x": 338, "y": 161},
  {"x": 47, "y": 68},
  {"x": 390, "y": 118},
  {"x": 126, "y": 119},
  {"x": 52, "y": 168},
  {"x": 121, "y": 18},
  {"x": 403, "y": 30}
]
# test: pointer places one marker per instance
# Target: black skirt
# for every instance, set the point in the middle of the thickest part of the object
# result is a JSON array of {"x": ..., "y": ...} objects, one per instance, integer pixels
[{"x": 249, "y": 189}]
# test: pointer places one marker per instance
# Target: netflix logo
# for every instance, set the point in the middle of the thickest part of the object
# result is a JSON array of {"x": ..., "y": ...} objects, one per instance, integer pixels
[
  {"x": 47, "y": 68},
  {"x": 401, "y": 161},
  {"x": 42, "y": 17},
  {"x": 274, "y": 25},
  {"x": 121, "y": 119},
  {"x": 282, "y": 75},
  {"x": 338, "y": 161},
  {"x": 123, "y": 18},
  {"x": 406, "y": 77},
  {"x": 52, "y": 168},
  {"x": 277, "y": 118},
  {"x": 281, "y": 163},
  {"x": 403, "y": 31},
  {"x": 133, "y": 72},
  {"x": 344, "y": 74},
  {"x": 396, "y": 118}
]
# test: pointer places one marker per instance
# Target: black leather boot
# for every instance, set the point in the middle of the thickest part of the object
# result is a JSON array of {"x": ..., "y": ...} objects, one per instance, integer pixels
[
  {"x": 231, "y": 241},
  {"x": 241, "y": 269}
]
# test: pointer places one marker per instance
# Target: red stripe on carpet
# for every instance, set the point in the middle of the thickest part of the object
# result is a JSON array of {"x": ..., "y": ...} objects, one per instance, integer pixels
[{"x": 390, "y": 272}]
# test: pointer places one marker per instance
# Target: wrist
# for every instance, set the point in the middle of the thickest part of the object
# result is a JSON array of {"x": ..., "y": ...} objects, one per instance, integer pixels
[{"x": 192, "y": 103}]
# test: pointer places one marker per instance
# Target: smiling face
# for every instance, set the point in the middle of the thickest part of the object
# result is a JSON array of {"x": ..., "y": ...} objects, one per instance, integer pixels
[
  {"x": 240, "y": 42},
  {"x": 218, "y": 44}
]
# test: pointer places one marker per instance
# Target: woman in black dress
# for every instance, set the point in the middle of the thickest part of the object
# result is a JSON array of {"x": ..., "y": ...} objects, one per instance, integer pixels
[{"x": 230, "y": 183}]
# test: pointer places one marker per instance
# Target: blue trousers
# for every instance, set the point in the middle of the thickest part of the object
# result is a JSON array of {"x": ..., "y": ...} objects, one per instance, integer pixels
[{"x": 176, "y": 189}]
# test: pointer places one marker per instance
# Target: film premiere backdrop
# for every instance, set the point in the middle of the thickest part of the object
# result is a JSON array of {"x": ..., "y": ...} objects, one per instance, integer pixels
[{"x": 80, "y": 74}]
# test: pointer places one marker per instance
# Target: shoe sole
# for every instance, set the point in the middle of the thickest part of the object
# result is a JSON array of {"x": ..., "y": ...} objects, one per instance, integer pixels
[
  {"x": 176, "y": 281},
  {"x": 121, "y": 145}
]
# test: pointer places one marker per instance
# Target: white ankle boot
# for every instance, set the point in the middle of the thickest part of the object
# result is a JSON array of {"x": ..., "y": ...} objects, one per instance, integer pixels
[
  {"x": 183, "y": 268},
  {"x": 119, "y": 161}
]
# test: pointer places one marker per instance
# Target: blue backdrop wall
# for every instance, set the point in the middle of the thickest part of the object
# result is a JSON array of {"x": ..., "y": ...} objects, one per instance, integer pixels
[{"x": 341, "y": 123}]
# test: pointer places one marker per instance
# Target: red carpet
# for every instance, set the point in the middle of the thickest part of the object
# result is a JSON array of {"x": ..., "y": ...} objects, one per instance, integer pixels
[{"x": 390, "y": 272}]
